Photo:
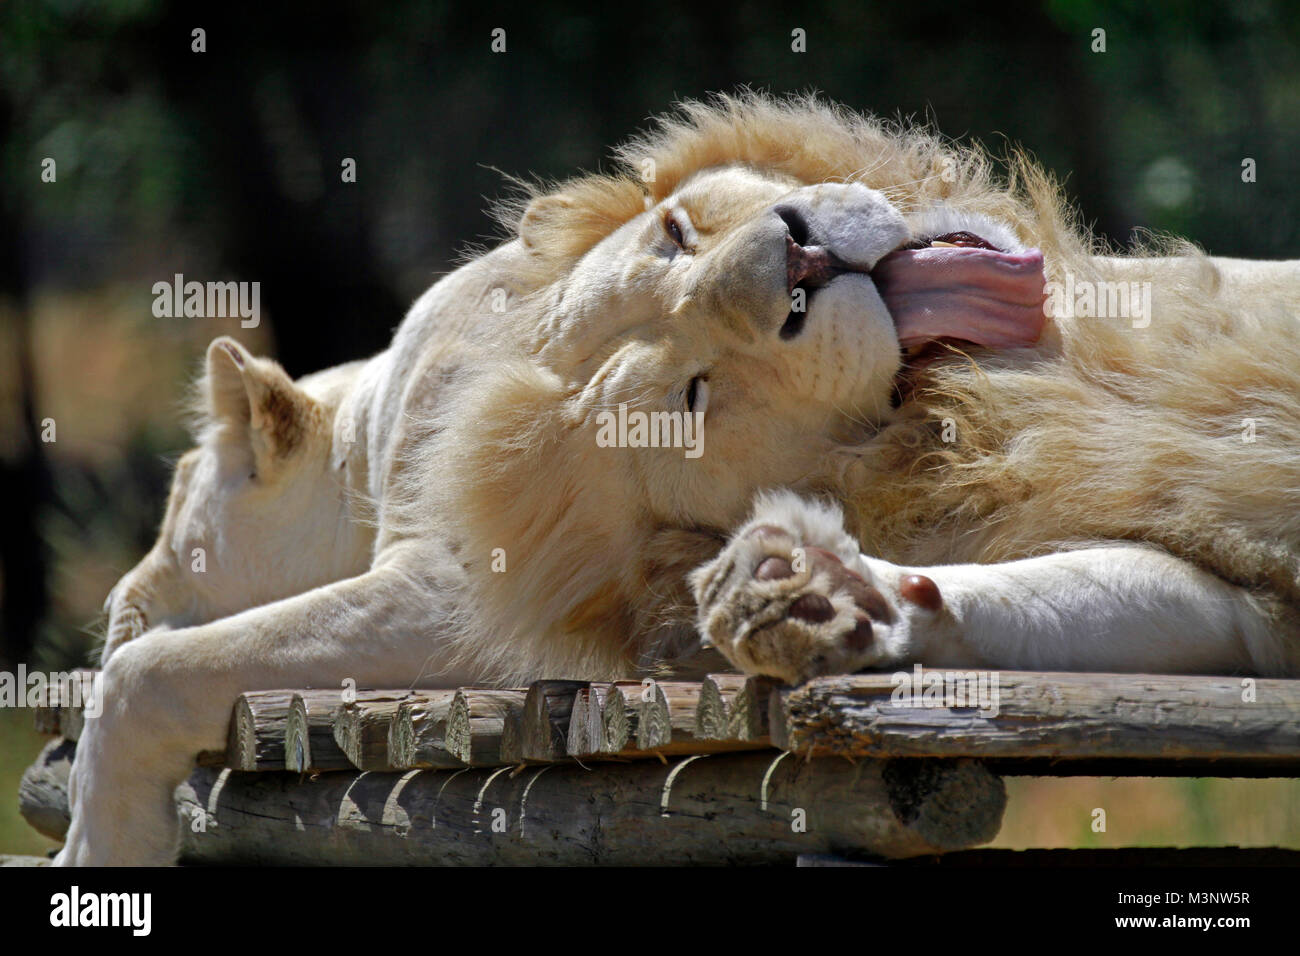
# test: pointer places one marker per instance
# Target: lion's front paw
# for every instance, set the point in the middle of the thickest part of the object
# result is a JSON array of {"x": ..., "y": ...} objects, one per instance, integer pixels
[{"x": 791, "y": 598}]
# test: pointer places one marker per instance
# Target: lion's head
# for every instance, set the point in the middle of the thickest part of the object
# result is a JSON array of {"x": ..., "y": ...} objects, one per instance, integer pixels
[
  {"x": 258, "y": 511},
  {"x": 745, "y": 290}
]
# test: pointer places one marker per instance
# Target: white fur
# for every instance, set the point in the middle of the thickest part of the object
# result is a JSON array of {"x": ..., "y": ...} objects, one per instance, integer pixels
[{"x": 349, "y": 520}]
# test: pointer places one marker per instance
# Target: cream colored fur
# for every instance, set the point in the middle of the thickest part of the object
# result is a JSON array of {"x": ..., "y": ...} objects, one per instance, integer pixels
[{"x": 443, "y": 513}]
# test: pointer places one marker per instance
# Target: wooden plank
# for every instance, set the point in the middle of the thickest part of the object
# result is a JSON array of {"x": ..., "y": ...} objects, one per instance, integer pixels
[
  {"x": 257, "y": 730},
  {"x": 541, "y": 734},
  {"x": 1044, "y": 715},
  {"x": 309, "y": 745},
  {"x": 643, "y": 813},
  {"x": 476, "y": 721},
  {"x": 361, "y": 727},
  {"x": 417, "y": 737}
]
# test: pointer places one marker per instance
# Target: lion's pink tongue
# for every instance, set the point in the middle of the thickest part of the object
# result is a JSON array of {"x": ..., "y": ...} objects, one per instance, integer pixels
[{"x": 990, "y": 298}]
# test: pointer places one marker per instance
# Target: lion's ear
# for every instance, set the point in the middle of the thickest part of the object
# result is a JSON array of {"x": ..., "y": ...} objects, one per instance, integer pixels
[
  {"x": 545, "y": 217},
  {"x": 258, "y": 399},
  {"x": 562, "y": 226}
]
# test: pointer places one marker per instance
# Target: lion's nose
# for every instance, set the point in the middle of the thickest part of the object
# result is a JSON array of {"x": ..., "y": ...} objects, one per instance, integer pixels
[{"x": 809, "y": 266}]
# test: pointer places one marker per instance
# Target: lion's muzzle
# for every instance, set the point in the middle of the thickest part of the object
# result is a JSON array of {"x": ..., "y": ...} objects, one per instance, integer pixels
[{"x": 810, "y": 267}]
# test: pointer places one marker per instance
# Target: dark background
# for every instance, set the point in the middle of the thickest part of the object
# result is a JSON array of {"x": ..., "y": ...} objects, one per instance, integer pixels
[{"x": 226, "y": 165}]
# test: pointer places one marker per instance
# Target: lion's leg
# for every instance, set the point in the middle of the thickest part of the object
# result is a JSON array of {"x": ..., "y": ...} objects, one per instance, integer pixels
[
  {"x": 791, "y": 596},
  {"x": 168, "y": 695}
]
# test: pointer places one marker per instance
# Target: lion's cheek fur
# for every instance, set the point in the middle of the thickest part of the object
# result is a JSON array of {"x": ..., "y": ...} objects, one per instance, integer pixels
[{"x": 535, "y": 518}]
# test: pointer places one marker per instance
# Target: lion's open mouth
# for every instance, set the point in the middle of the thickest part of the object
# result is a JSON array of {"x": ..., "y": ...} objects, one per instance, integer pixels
[{"x": 960, "y": 286}]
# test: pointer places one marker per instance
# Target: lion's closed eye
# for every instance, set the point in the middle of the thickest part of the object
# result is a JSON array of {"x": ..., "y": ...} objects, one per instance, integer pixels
[
  {"x": 678, "y": 230},
  {"x": 697, "y": 395}
]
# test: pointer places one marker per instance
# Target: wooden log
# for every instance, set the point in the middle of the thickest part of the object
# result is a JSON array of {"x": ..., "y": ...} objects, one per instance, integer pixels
[
  {"x": 475, "y": 723},
  {"x": 43, "y": 790},
  {"x": 594, "y": 735},
  {"x": 641, "y": 719},
  {"x": 620, "y": 712},
  {"x": 667, "y": 715},
  {"x": 361, "y": 727},
  {"x": 1043, "y": 715},
  {"x": 733, "y": 707},
  {"x": 594, "y": 706},
  {"x": 417, "y": 737},
  {"x": 309, "y": 745},
  {"x": 717, "y": 691},
  {"x": 579, "y": 736},
  {"x": 667, "y": 721},
  {"x": 541, "y": 735},
  {"x": 644, "y": 813},
  {"x": 610, "y": 814},
  {"x": 257, "y": 730}
]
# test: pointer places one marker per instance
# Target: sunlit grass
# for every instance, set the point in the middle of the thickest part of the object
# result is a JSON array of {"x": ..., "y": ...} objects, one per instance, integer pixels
[{"x": 1150, "y": 811}]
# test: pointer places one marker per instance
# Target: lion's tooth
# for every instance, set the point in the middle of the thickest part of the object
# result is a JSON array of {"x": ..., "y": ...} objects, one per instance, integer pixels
[{"x": 936, "y": 244}]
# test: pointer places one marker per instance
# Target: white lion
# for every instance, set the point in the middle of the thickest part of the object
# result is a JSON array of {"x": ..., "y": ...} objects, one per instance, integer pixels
[{"x": 905, "y": 460}]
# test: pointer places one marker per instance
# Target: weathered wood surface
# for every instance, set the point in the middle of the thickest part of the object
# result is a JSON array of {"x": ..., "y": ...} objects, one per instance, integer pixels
[
  {"x": 476, "y": 721},
  {"x": 577, "y": 737},
  {"x": 667, "y": 723},
  {"x": 733, "y": 707},
  {"x": 599, "y": 725},
  {"x": 619, "y": 715},
  {"x": 1061, "y": 717},
  {"x": 417, "y": 739},
  {"x": 718, "y": 693},
  {"x": 257, "y": 730},
  {"x": 361, "y": 725},
  {"x": 43, "y": 790},
  {"x": 644, "y": 813},
  {"x": 309, "y": 733},
  {"x": 541, "y": 734},
  {"x": 1042, "y": 723},
  {"x": 642, "y": 719}
]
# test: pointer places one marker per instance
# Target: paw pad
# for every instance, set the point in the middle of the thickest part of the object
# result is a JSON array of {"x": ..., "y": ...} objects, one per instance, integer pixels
[
  {"x": 774, "y": 569},
  {"x": 921, "y": 591},
  {"x": 813, "y": 608}
]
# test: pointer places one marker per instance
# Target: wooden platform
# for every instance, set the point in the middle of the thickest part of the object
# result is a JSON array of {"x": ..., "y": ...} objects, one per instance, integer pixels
[{"x": 731, "y": 769}]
